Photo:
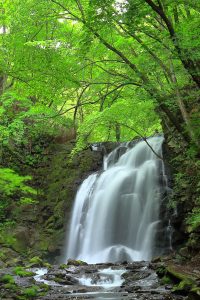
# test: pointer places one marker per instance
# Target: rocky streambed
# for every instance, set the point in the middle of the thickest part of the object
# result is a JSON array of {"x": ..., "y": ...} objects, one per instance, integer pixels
[{"x": 77, "y": 280}]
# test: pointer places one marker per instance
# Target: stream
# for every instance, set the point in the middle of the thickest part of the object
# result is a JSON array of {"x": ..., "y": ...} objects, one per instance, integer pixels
[{"x": 136, "y": 280}]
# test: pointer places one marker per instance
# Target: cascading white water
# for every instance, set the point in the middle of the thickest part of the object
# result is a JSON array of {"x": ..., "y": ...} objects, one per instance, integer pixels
[{"x": 116, "y": 213}]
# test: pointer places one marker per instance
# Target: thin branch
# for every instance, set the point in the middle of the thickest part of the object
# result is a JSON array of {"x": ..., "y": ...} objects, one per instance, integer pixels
[
  {"x": 80, "y": 7},
  {"x": 67, "y": 10},
  {"x": 156, "y": 58},
  {"x": 111, "y": 83},
  {"x": 87, "y": 103},
  {"x": 143, "y": 138},
  {"x": 106, "y": 44},
  {"x": 155, "y": 38},
  {"x": 160, "y": 12},
  {"x": 79, "y": 102},
  {"x": 100, "y": 61},
  {"x": 114, "y": 73},
  {"x": 36, "y": 33}
]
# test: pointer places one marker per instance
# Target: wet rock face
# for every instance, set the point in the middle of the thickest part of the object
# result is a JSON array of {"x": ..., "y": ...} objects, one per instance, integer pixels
[{"x": 135, "y": 280}]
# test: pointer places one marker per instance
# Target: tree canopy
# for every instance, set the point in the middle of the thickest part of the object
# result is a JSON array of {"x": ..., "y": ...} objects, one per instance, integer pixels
[{"x": 106, "y": 69}]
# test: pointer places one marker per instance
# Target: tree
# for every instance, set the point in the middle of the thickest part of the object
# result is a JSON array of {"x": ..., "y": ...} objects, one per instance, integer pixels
[{"x": 84, "y": 56}]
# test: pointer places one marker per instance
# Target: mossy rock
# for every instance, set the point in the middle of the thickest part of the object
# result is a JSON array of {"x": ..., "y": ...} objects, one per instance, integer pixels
[
  {"x": 21, "y": 239},
  {"x": 166, "y": 280},
  {"x": 35, "y": 262},
  {"x": 12, "y": 287},
  {"x": 76, "y": 262},
  {"x": 22, "y": 272},
  {"x": 194, "y": 294},
  {"x": 161, "y": 271},
  {"x": 9, "y": 255},
  {"x": 63, "y": 266},
  {"x": 44, "y": 287},
  {"x": 7, "y": 278},
  {"x": 196, "y": 290},
  {"x": 44, "y": 244},
  {"x": 59, "y": 280},
  {"x": 14, "y": 262},
  {"x": 2, "y": 256},
  {"x": 182, "y": 288},
  {"x": 187, "y": 283},
  {"x": 31, "y": 292},
  {"x": 184, "y": 252},
  {"x": 50, "y": 222},
  {"x": 179, "y": 275}
]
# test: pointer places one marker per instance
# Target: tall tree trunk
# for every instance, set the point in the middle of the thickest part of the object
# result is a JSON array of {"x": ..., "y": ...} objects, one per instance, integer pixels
[
  {"x": 117, "y": 132},
  {"x": 2, "y": 84},
  {"x": 182, "y": 107}
]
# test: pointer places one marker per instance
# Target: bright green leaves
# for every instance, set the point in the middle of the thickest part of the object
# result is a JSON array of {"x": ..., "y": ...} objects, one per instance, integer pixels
[
  {"x": 193, "y": 219},
  {"x": 188, "y": 34},
  {"x": 14, "y": 187},
  {"x": 72, "y": 57},
  {"x": 11, "y": 182},
  {"x": 22, "y": 120},
  {"x": 130, "y": 115}
]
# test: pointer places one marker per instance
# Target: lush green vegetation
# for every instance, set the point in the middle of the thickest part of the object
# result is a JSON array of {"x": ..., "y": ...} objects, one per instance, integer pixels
[
  {"x": 99, "y": 66},
  {"x": 95, "y": 71}
]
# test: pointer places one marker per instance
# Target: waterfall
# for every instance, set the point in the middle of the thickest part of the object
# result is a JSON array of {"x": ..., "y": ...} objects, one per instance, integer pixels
[{"x": 116, "y": 212}]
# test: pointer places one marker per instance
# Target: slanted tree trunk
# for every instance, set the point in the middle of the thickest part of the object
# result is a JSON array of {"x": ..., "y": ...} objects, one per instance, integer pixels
[
  {"x": 191, "y": 66},
  {"x": 182, "y": 107}
]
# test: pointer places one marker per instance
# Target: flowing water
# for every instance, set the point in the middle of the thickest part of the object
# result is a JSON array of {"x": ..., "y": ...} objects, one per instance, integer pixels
[
  {"x": 107, "y": 278},
  {"x": 116, "y": 212}
]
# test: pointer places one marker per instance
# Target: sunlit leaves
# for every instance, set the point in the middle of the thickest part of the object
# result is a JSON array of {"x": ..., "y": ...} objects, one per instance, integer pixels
[
  {"x": 11, "y": 182},
  {"x": 101, "y": 126}
]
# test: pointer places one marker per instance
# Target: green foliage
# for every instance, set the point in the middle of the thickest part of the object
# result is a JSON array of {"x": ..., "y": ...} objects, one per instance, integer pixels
[
  {"x": 11, "y": 286},
  {"x": 7, "y": 278},
  {"x": 23, "y": 121},
  {"x": 131, "y": 116},
  {"x": 183, "y": 286},
  {"x": 161, "y": 271},
  {"x": 14, "y": 185},
  {"x": 22, "y": 272},
  {"x": 166, "y": 280},
  {"x": 11, "y": 182},
  {"x": 6, "y": 238},
  {"x": 36, "y": 261},
  {"x": 193, "y": 220},
  {"x": 30, "y": 292},
  {"x": 63, "y": 266},
  {"x": 26, "y": 200},
  {"x": 76, "y": 69},
  {"x": 76, "y": 262}
]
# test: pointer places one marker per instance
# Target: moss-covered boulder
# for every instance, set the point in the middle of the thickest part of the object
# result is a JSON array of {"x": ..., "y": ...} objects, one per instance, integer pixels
[
  {"x": 185, "y": 278},
  {"x": 72, "y": 262}
]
